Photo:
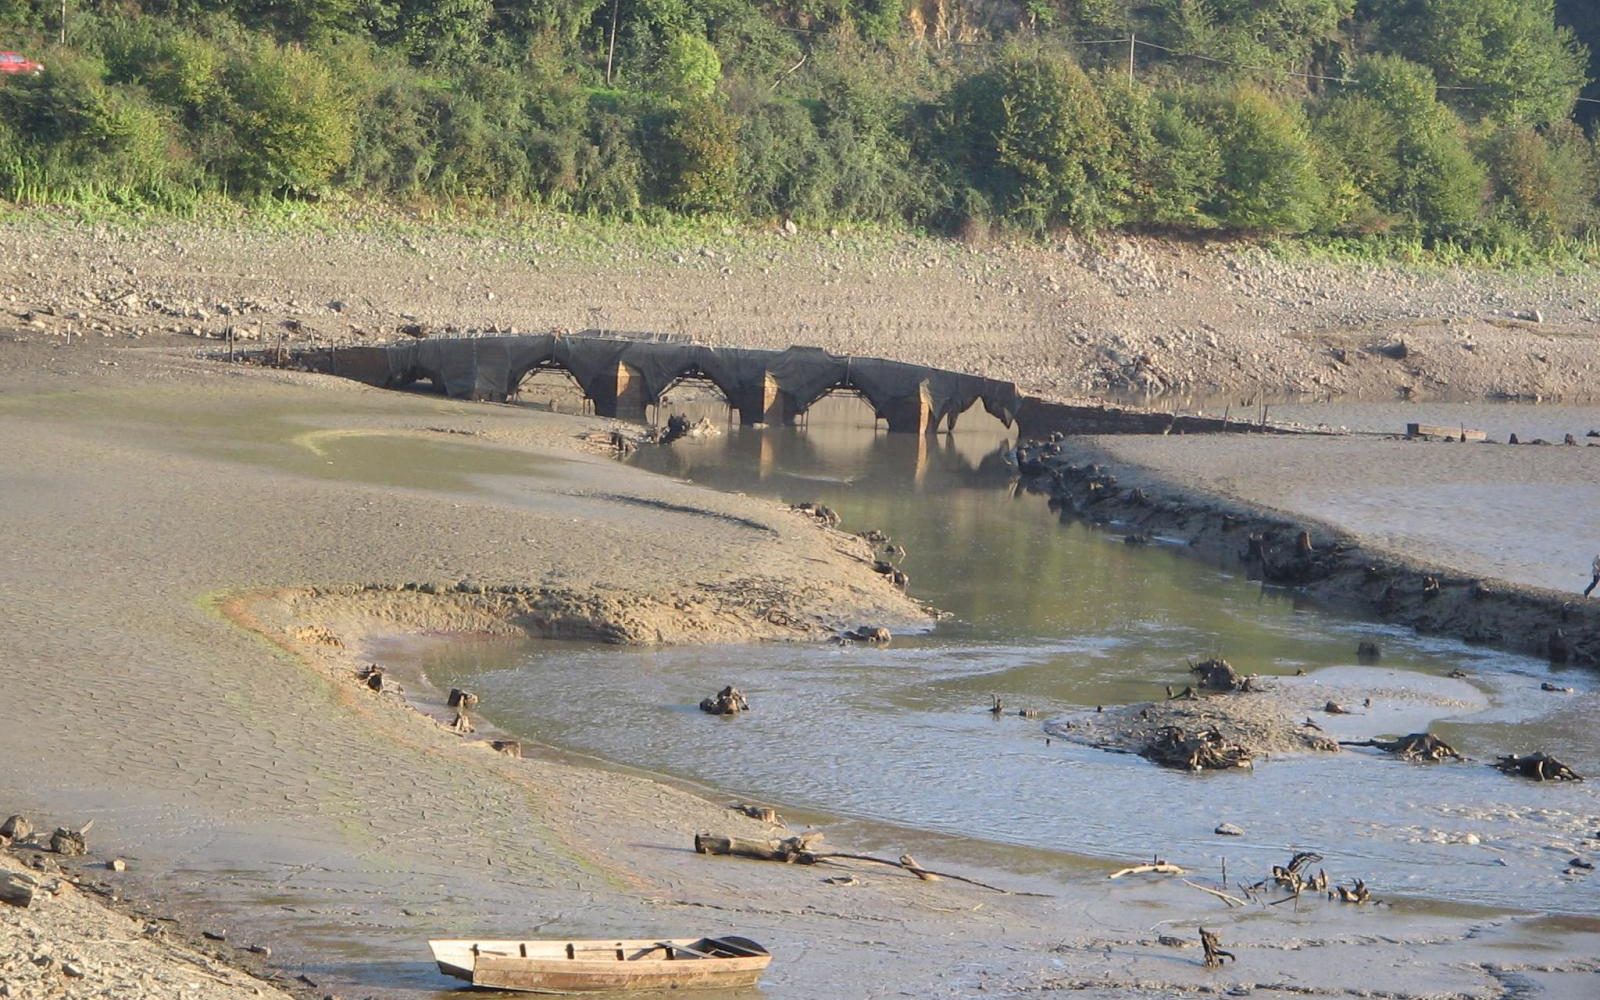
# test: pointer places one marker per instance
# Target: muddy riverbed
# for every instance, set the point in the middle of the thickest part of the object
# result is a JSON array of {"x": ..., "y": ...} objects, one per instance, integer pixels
[{"x": 1059, "y": 618}]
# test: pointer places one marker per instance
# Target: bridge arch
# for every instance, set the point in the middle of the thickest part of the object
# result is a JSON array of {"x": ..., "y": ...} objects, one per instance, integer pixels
[{"x": 623, "y": 376}]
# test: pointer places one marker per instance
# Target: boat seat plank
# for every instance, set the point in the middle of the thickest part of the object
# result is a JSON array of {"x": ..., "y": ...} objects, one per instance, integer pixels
[{"x": 683, "y": 948}]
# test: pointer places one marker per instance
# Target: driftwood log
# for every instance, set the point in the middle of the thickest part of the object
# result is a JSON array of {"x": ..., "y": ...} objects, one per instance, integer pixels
[
  {"x": 1538, "y": 766},
  {"x": 729, "y": 701},
  {"x": 1156, "y": 867},
  {"x": 1203, "y": 751},
  {"x": 1418, "y": 746},
  {"x": 789, "y": 850}
]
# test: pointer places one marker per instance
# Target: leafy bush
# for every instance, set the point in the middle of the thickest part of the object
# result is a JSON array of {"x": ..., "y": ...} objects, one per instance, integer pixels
[
  {"x": 1547, "y": 184},
  {"x": 69, "y": 131},
  {"x": 289, "y": 125},
  {"x": 1033, "y": 137},
  {"x": 699, "y": 157},
  {"x": 1268, "y": 180}
]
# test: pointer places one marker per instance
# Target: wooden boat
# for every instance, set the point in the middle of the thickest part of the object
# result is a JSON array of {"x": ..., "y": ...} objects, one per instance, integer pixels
[{"x": 584, "y": 966}]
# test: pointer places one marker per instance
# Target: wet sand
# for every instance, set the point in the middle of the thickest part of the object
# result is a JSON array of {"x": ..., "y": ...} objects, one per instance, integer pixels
[{"x": 191, "y": 586}]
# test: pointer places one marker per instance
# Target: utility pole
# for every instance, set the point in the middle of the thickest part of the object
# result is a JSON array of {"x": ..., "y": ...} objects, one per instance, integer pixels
[
  {"x": 1133, "y": 40},
  {"x": 63, "y": 22},
  {"x": 611, "y": 49}
]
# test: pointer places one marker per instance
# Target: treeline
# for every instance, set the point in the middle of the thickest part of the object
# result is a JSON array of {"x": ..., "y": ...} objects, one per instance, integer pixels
[{"x": 1438, "y": 120}]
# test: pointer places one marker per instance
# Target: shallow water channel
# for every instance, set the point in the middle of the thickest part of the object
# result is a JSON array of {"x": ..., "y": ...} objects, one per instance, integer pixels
[{"x": 1061, "y": 617}]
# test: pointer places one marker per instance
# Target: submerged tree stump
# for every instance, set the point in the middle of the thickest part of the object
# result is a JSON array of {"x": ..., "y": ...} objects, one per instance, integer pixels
[
  {"x": 1357, "y": 893},
  {"x": 729, "y": 701},
  {"x": 1424, "y": 747},
  {"x": 1212, "y": 945},
  {"x": 1538, "y": 766},
  {"x": 1204, "y": 751}
]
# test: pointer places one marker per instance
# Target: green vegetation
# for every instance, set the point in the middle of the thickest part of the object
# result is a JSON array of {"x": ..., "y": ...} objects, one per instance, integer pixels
[{"x": 1445, "y": 126}]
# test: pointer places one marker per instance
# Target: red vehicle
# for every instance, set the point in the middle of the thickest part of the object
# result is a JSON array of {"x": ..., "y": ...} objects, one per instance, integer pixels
[{"x": 16, "y": 64}]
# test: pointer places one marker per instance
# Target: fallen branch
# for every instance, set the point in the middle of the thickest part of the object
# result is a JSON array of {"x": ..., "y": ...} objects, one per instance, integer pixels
[
  {"x": 1230, "y": 900},
  {"x": 799, "y": 851},
  {"x": 919, "y": 871}
]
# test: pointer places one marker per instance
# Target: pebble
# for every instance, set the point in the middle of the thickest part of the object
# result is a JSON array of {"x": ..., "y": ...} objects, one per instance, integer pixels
[{"x": 1228, "y": 830}]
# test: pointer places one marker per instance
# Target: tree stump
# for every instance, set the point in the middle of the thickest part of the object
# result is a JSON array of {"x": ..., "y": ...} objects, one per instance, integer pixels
[
  {"x": 463, "y": 702},
  {"x": 1215, "y": 675},
  {"x": 372, "y": 677},
  {"x": 1208, "y": 750},
  {"x": 1212, "y": 944},
  {"x": 1367, "y": 651},
  {"x": 70, "y": 843},
  {"x": 729, "y": 701},
  {"x": 511, "y": 748},
  {"x": 765, "y": 814},
  {"x": 1538, "y": 766}
]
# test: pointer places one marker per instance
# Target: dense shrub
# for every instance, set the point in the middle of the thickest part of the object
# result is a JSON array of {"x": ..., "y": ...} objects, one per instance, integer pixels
[
  {"x": 1268, "y": 180},
  {"x": 1032, "y": 135},
  {"x": 69, "y": 131},
  {"x": 1446, "y": 122}
]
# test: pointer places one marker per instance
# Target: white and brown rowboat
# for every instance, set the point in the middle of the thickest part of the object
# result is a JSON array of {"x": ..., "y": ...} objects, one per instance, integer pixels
[{"x": 585, "y": 966}]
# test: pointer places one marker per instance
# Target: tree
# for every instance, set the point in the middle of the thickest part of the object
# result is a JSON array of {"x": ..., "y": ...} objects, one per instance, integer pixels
[
  {"x": 1402, "y": 148},
  {"x": 1508, "y": 58},
  {"x": 1268, "y": 181},
  {"x": 688, "y": 67},
  {"x": 1032, "y": 135}
]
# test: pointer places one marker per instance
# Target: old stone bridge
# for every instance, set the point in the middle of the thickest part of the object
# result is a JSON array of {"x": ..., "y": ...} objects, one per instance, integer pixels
[{"x": 623, "y": 375}]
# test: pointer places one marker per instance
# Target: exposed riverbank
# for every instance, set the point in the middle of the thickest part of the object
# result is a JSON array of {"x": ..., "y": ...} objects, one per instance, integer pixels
[
  {"x": 158, "y": 502},
  {"x": 1119, "y": 315}
]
